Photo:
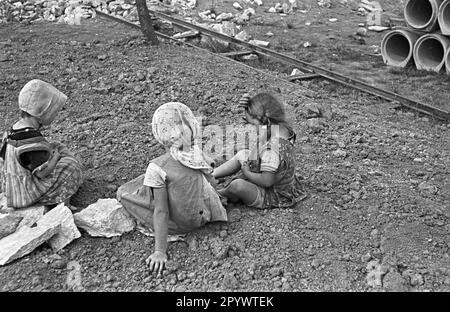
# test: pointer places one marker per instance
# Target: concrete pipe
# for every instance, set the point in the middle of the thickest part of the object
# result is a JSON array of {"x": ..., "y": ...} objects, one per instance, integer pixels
[
  {"x": 397, "y": 47},
  {"x": 447, "y": 61},
  {"x": 422, "y": 14},
  {"x": 444, "y": 17},
  {"x": 429, "y": 52}
]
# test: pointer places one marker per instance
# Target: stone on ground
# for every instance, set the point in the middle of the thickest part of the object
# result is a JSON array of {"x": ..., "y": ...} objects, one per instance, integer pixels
[
  {"x": 62, "y": 215},
  {"x": 8, "y": 224},
  {"x": 24, "y": 241},
  {"x": 30, "y": 215},
  {"x": 106, "y": 218},
  {"x": 260, "y": 43},
  {"x": 243, "y": 35},
  {"x": 375, "y": 273},
  {"x": 394, "y": 282}
]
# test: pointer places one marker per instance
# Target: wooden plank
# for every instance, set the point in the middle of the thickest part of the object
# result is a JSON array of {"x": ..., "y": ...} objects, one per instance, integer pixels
[
  {"x": 238, "y": 53},
  {"x": 188, "y": 34}
]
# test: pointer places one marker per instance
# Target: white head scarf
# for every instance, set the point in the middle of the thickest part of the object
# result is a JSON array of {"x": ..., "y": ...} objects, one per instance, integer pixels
[
  {"x": 41, "y": 100},
  {"x": 169, "y": 124}
]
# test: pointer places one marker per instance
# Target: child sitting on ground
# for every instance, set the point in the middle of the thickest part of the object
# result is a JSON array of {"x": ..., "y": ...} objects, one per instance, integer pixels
[
  {"x": 174, "y": 196},
  {"x": 268, "y": 177},
  {"x": 32, "y": 170}
]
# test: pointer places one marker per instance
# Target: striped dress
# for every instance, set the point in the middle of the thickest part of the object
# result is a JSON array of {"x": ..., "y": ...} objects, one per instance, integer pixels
[{"x": 24, "y": 189}]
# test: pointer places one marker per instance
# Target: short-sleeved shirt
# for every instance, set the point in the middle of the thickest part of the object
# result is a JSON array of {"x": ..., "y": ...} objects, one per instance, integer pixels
[
  {"x": 270, "y": 159},
  {"x": 192, "y": 199},
  {"x": 155, "y": 176}
]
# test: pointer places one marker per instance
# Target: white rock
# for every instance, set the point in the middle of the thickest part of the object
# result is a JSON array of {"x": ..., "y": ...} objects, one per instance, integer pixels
[
  {"x": 184, "y": 34},
  {"x": 127, "y": 6},
  {"x": 333, "y": 19},
  {"x": 30, "y": 215},
  {"x": 250, "y": 57},
  {"x": 371, "y": 5},
  {"x": 224, "y": 17},
  {"x": 8, "y": 224},
  {"x": 378, "y": 28},
  {"x": 375, "y": 273},
  {"x": 260, "y": 43},
  {"x": 361, "y": 31},
  {"x": 242, "y": 18},
  {"x": 73, "y": 280},
  {"x": 24, "y": 241},
  {"x": 60, "y": 215},
  {"x": 272, "y": 10},
  {"x": 243, "y": 35},
  {"x": 106, "y": 218},
  {"x": 204, "y": 15},
  {"x": 226, "y": 28},
  {"x": 237, "y": 6},
  {"x": 296, "y": 71},
  {"x": 362, "y": 10},
  {"x": 269, "y": 34},
  {"x": 258, "y": 2}
]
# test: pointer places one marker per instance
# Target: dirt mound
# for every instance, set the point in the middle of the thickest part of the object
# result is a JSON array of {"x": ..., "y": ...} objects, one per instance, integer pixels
[{"x": 377, "y": 177}]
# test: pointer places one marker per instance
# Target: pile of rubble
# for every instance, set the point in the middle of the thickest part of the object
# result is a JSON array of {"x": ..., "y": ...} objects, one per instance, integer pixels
[
  {"x": 63, "y": 11},
  {"x": 53, "y": 11},
  {"x": 23, "y": 230}
]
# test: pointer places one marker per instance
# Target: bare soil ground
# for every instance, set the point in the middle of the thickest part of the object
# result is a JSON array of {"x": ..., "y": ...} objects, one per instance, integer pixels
[{"x": 377, "y": 176}]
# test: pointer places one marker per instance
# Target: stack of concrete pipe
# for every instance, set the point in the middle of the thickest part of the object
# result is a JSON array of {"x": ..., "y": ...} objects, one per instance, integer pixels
[{"x": 426, "y": 40}]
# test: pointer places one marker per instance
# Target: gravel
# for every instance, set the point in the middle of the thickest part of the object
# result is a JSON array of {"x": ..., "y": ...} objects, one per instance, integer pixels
[{"x": 318, "y": 245}]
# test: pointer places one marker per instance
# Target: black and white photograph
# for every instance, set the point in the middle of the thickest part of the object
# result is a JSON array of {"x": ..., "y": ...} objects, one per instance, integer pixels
[{"x": 227, "y": 153}]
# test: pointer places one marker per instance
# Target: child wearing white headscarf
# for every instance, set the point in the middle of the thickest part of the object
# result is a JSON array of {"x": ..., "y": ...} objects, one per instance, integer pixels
[
  {"x": 174, "y": 196},
  {"x": 34, "y": 171}
]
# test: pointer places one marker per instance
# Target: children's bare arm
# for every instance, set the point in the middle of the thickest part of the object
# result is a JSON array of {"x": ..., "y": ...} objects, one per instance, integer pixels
[
  {"x": 264, "y": 179},
  {"x": 158, "y": 259}
]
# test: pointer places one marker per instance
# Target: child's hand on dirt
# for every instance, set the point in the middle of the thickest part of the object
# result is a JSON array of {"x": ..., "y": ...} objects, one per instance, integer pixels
[
  {"x": 157, "y": 262},
  {"x": 243, "y": 101}
]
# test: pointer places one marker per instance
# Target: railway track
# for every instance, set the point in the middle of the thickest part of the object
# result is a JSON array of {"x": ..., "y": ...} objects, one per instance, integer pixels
[{"x": 313, "y": 71}]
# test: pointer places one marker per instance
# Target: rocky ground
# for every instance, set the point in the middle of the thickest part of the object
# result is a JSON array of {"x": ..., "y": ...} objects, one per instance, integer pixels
[{"x": 377, "y": 176}]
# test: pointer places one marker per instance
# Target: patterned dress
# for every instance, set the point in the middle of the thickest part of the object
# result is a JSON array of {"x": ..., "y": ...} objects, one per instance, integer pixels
[
  {"x": 193, "y": 201},
  {"x": 287, "y": 189},
  {"x": 21, "y": 187}
]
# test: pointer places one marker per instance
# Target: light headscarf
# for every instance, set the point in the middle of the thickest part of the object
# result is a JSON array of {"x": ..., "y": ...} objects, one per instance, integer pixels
[
  {"x": 167, "y": 126},
  {"x": 41, "y": 100}
]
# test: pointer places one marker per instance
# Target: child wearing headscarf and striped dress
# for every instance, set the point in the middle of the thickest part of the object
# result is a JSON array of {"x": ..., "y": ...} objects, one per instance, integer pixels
[
  {"x": 34, "y": 171},
  {"x": 175, "y": 195}
]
